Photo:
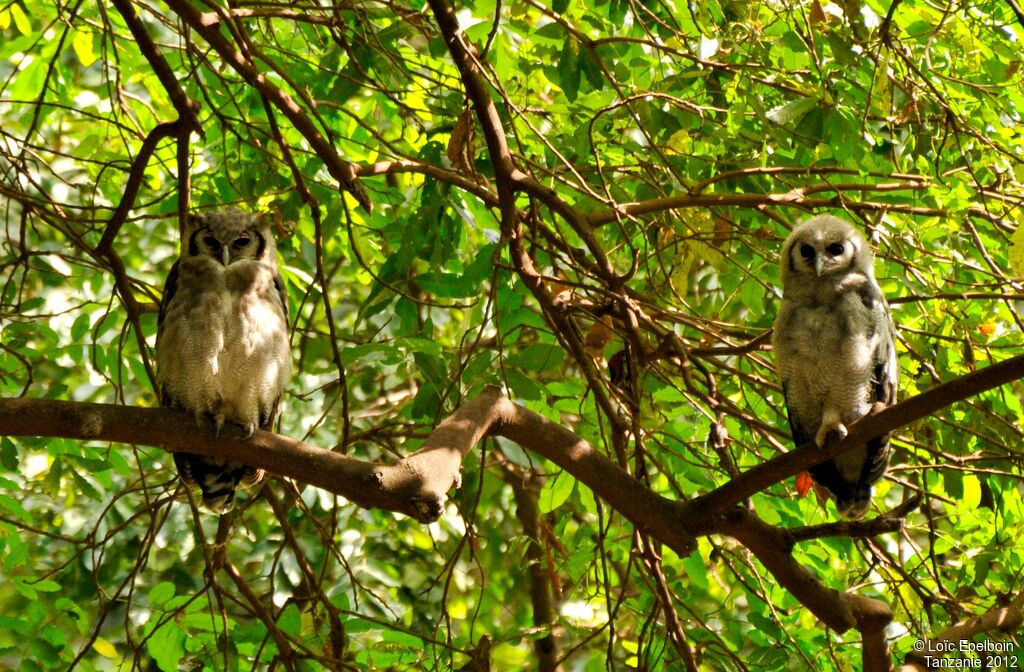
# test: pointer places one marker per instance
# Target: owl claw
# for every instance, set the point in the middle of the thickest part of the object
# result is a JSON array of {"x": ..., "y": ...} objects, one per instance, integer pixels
[
  {"x": 250, "y": 429},
  {"x": 823, "y": 432},
  {"x": 218, "y": 424}
]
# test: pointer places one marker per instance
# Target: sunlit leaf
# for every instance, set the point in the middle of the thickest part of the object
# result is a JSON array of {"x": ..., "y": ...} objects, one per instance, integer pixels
[
  {"x": 104, "y": 648},
  {"x": 82, "y": 44},
  {"x": 21, "y": 20},
  {"x": 555, "y": 492},
  {"x": 167, "y": 646}
]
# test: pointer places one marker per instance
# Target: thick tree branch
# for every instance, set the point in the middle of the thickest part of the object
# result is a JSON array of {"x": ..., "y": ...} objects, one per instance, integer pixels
[
  {"x": 418, "y": 484},
  {"x": 754, "y": 480},
  {"x": 185, "y": 106},
  {"x": 650, "y": 512},
  {"x": 414, "y": 486},
  {"x": 773, "y": 547},
  {"x": 526, "y": 488}
]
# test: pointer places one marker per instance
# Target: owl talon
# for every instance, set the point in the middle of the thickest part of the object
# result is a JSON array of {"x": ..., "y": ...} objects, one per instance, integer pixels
[
  {"x": 250, "y": 429},
  {"x": 822, "y": 435}
]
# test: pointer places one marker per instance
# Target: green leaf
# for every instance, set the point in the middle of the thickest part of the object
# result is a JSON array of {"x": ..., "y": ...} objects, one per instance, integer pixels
[
  {"x": 556, "y": 491},
  {"x": 522, "y": 387},
  {"x": 971, "y": 496},
  {"x": 1016, "y": 253},
  {"x": 21, "y": 20},
  {"x": 789, "y": 113},
  {"x": 14, "y": 624},
  {"x": 104, "y": 648},
  {"x": 161, "y": 593},
  {"x": 290, "y": 620},
  {"x": 8, "y": 454},
  {"x": 17, "y": 553},
  {"x": 82, "y": 45},
  {"x": 13, "y": 506},
  {"x": 46, "y": 586},
  {"x": 696, "y": 570},
  {"x": 538, "y": 357},
  {"x": 167, "y": 646},
  {"x": 592, "y": 70},
  {"x": 568, "y": 67},
  {"x": 447, "y": 285}
]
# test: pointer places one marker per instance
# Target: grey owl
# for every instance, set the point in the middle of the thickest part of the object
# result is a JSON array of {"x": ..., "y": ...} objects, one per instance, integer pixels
[
  {"x": 835, "y": 350},
  {"x": 222, "y": 340}
]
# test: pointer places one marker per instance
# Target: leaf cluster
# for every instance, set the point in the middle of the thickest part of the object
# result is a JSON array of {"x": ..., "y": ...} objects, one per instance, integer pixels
[{"x": 684, "y": 138}]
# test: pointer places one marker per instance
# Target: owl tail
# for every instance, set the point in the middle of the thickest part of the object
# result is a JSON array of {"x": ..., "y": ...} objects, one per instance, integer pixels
[
  {"x": 855, "y": 506},
  {"x": 216, "y": 479}
]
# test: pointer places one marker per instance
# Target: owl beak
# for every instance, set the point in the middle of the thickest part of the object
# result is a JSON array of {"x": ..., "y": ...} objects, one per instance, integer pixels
[
  {"x": 819, "y": 265},
  {"x": 225, "y": 256}
]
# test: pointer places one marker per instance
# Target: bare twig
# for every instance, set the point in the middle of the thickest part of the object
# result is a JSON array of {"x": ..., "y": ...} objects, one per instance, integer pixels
[{"x": 207, "y": 26}]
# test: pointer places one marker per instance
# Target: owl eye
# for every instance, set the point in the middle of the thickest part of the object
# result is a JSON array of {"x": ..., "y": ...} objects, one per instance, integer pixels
[
  {"x": 835, "y": 249},
  {"x": 241, "y": 243},
  {"x": 210, "y": 241},
  {"x": 806, "y": 251}
]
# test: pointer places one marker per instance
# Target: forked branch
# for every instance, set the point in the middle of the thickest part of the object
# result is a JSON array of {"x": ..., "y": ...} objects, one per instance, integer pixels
[{"x": 417, "y": 485}]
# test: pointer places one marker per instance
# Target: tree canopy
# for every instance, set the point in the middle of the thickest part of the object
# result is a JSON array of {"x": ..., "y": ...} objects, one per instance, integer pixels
[{"x": 531, "y": 250}]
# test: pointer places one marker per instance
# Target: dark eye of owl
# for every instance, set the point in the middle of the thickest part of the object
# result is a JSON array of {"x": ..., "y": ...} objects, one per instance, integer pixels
[
  {"x": 806, "y": 251},
  {"x": 211, "y": 241},
  {"x": 835, "y": 249},
  {"x": 241, "y": 242}
]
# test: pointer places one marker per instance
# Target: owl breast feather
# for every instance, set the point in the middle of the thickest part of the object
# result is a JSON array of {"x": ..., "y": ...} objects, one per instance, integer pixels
[
  {"x": 825, "y": 358},
  {"x": 224, "y": 349}
]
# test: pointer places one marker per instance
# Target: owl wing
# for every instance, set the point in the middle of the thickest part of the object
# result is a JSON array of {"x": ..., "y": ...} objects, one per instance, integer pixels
[
  {"x": 267, "y": 416},
  {"x": 282, "y": 295},
  {"x": 170, "y": 289},
  {"x": 801, "y": 434},
  {"x": 884, "y": 381}
]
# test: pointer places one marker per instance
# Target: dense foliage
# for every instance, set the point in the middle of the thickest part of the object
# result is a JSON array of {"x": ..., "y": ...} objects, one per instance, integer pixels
[{"x": 722, "y": 122}]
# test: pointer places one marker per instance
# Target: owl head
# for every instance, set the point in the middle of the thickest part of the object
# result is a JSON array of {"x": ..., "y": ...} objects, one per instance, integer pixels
[
  {"x": 824, "y": 246},
  {"x": 229, "y": 236}
]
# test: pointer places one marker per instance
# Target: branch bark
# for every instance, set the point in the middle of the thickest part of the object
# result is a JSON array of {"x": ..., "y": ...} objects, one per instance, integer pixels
[
  {"x": 719, "y": 501},
  {"x": 417, "y": 485},
  {"x": 526, "y": 488},
  {"x": 414, "y": 486}
]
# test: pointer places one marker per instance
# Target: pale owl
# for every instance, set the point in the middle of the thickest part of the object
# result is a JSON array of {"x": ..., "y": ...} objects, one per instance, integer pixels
[
  {"x": 222, "y": 340},
  {"x": 835, "y": 349}
]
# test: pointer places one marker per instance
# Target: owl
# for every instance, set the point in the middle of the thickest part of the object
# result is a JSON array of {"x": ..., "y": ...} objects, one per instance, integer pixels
[
  {"x": 222, "y": 340},
  {"x": 835, "y": 349}
]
